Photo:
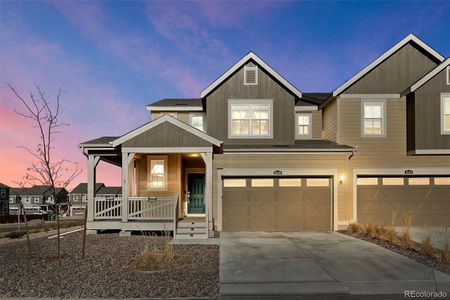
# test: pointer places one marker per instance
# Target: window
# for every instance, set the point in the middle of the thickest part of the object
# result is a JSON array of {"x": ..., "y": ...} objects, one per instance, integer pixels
[
  {"x": 303, "y": 126},
  {"x": 250, "y": 118},
  {"x": 197, "y": 121},
  {"x": 12, "y": 199},
  {"x": 317, "y": 182},
  {"x": 234, "y": 183},
  {"x": 442, "y": 180},
  {"x": 262, "y": 182},
  {"x": 367, "y": 181},
  {"x": 373, "y": 118},
  {"x": 419, "y": 181},
  {"x": 3, "y": 193},
  {"x": 445, "y": 113},
  {"x": 36, "y": 199},
  {"x": 250, "y": 75},
  {"x": 157, "y": 173},
  {"x": 448, "y": 75},
  {"x": 290, "y": 182},
  {"x": 393, "y": 181}
]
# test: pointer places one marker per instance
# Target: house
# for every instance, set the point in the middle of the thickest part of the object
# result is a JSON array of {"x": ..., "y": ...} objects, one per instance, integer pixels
[
  {"x": 4, "y": 199},
  {"x": 255, "y": 153},
  {"x": 35, "y": 199},
  {"x": 110, "y": 192},
  {"x": 78, "y": 198}
]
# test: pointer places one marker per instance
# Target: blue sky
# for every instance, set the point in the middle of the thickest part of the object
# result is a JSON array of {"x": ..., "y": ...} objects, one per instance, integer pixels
[{"x": 112, "y": 58}]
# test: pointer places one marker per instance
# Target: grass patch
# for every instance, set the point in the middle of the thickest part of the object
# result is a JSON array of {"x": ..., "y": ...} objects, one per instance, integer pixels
[{"x": 157, "y": 258}]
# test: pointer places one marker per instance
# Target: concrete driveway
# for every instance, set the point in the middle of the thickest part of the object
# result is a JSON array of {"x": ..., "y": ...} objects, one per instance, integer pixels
[{"x": 260, "y": 263}]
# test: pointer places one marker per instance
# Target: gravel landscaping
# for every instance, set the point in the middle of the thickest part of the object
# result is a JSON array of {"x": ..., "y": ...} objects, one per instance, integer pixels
[{"x": 105, "y": 272}]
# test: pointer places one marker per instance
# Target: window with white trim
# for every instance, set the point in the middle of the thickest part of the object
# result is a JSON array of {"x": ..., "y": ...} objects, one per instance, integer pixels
[
  {"x": 373, "y": 118},
  {"x": 36, "y": 199},
  {"x": 250, "y": 75},
  {"x": 250, "y": 118},
  {"x": 3, "y": 193},
  {"x": 197, "y": 121},
  {"x": 445, "y": 113},
  {"x": 303, "y": 126},
  {"x": 157, "y": 173}
]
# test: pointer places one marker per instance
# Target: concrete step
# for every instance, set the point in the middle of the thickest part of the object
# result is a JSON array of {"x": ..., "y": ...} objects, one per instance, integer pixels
[
  {"x": 186, "y": 236},
  {"x": 192, "y": 224},
  {"x": 191, "y": 230}
]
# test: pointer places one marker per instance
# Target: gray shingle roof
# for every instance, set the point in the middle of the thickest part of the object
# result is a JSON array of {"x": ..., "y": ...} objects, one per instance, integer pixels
[
  {"x": 104, "y": 140},
  {"x": 299, "y": 144},
  {"x": 4, "y": 186},
  {"x": 82, "y": 188},
  {"x": 312, "y": 98},
  {"x": 110, "y": 190},
  {"x": 35, "y": 190},
  {"x": 178, "y": 102}
]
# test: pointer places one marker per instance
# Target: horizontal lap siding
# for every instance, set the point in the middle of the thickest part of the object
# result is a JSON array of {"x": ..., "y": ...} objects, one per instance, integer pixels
[
  {"x": 317, "y": 124},
  {"x": 330, "y": 121}
]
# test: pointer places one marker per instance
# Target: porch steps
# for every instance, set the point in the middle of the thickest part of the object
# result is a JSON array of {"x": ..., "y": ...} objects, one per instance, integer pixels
[{"x": 192, "y": 229}]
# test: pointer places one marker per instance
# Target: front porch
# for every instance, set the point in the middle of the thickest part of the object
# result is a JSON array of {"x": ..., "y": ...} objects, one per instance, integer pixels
[{"x": 166, "y": 185}]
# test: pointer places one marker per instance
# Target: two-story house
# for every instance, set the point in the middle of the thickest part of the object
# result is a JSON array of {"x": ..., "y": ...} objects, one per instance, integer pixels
[
  {"x": 255, "y": 153},
  {"x": 4, "y": 199},
  {"x": 78, "y": 198},
  {"x": 35, "y": 199}
]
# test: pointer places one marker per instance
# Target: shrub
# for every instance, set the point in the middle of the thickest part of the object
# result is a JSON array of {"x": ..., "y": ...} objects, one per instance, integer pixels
[
  {"x": 445, "y": 252},
  {"x": 155, "y": 259},
  {"x": 355, "y": 228},
  {"x": 16, "y": 234},
  {"x": 371, "y": 230},
  {"x": 390, "y": 235},
  {"x": 405, "y": 238},
  {"x": 426, "y": 247}
]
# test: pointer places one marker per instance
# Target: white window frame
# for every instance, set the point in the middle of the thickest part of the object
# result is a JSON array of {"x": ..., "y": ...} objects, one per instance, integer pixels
[
  {"x": 149, "y": 170},
  {"x": 192, "y": 115},
  {"x": 269, "y": 102},
  {"x": 383, "y": 123},
  {"x": 447, "y": 72},
  {"x": 299, "y": 136},
  {"x": 255, "y": 68},
  {"x": 443, "y": 130}
]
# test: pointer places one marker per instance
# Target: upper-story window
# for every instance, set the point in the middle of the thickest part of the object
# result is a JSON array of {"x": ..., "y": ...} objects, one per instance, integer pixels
[
  {"x": 373, "y": 118},
  {"x": 445, "y": 113},
  {"x": 3, "y": 193},
  {"x": 303, "y": 126},
  {"x": 250, "y": 118},
  {"x": 250, "y": 75},
  {"x": 157, "y": 173},
  {"x": 36, "y": 199},
  {"x": 12, "y": 199},
  {"x": 197, "y": 121}
]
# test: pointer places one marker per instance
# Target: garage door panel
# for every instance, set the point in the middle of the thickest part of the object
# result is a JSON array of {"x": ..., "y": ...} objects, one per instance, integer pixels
[{"x": 391, "y": 205}]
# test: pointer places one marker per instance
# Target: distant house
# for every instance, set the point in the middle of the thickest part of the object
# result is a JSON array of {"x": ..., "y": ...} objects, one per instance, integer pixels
[
  {"x": 35, "y": 199},
  {"x": 4, "y": 199},
  {"x": 78, "y": 198},
  {"x": 110, "y": 192}
]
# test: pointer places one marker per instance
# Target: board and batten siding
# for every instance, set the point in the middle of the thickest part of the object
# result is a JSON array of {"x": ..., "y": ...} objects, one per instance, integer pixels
[
  {"x": 395, "y": 74},
  {"x": 380, "y": 152},
  {"x": 267, "y": 88},
  {"x": 330, "y": 121},
  {"x": 166, "y": 135},
  {"x": 337, "y": 162},
  {"x": 428, "y": 114}
]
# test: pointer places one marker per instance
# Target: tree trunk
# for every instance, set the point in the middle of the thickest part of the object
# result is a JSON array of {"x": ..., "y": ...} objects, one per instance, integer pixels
[
  {"x": 83, "y": 251},
  {"x": 58, "y": 233},
  {"x": 26, "y": 228}
]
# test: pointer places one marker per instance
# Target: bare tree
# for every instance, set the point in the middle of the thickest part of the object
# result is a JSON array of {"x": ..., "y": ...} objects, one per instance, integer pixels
[{"x": 45, "y": 169}]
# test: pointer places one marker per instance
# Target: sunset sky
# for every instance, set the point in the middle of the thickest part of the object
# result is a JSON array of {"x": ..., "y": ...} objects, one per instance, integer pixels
[{"x": 112, "y": 58}]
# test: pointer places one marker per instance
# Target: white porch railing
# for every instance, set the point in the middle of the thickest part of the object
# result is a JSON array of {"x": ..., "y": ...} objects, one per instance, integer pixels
[
  {"x": 152, "y": 208},
  {"x": 107, "y": 208}
]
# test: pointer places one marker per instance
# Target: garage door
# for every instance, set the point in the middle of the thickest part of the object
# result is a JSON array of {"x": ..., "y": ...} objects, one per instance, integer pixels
[
  {"x": 276, "y": 204},
  {"x": 390, "y": 201}
]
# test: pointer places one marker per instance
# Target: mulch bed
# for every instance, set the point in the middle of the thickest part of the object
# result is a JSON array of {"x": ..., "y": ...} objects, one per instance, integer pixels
[
  {"x": 105, "y": 272},
  {"x": 414, "y": 253}
]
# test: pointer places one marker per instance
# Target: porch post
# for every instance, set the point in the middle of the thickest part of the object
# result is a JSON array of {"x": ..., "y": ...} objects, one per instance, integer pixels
[
  {"x": 125, "y": 186},
  {"x": 92, "y": 165},
  {"x": 208, "y": 193}
]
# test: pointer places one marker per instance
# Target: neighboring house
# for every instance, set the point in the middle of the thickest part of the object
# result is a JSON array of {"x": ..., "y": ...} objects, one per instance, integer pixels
[
  {"x": 4, "y": 199},
  {"x": 254, "y": 153},
  {"x": 110, "y": 192},
  {"x": 78, "y": 198},
  {"x": 35, "y": 199}
]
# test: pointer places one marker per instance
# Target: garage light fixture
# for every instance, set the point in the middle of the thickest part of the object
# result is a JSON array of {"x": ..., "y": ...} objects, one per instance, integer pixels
[{"x": 341, "y": 179}]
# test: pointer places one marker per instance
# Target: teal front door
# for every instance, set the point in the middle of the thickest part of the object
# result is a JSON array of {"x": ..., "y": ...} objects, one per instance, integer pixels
[{"x": 196, "y": 193}]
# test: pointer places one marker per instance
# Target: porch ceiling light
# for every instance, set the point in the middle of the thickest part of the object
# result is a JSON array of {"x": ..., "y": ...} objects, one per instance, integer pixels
[{"x": 194, "y": 155}]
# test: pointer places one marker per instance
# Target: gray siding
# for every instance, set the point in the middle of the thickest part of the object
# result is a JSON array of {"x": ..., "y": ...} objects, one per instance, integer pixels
[
  {"x": 428, "y": 114},
  {"x": 267, "y": 88},
  {"x": 166, "y": 135},
  {"x": 395, "y": 74}
]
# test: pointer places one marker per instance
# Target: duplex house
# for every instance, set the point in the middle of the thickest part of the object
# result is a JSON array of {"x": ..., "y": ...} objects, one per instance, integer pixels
[
  {"x": 4, "y": 199},
  {"x": 35, "y": 199},
  {"x": 255, "y": 153}
]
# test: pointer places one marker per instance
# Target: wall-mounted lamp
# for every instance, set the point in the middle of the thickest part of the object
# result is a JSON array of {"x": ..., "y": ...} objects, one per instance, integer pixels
[{"x": 341, "y": 179}]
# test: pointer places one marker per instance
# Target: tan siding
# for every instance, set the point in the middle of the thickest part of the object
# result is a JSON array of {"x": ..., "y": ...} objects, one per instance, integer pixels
[
  {"x": 428, "y": 114},
  {"x": 395, "y": 74},
  {"x": 317, "y": 124},
  {"x": 267, "y": 88},
  {"x": 300, "y": 161},
  {"x": 330, "y": 121},
  {"x": 379, "y": 153},
  {"x": 166, "y": 135}
]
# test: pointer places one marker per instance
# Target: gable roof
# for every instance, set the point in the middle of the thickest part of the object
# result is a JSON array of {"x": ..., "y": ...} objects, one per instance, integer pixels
[
  {"x": 104, "y": 141},
  {"x": 160, "y": 120},
  {"x": 110, "y": 190},
  {"x": 384, "y": 56},
  {"x": 82, "y": 188},
  {"x": 427, "y": 77},
  {"x": 312, "y": 98},
  {"x": 43, "y": 190},
  {"x": 4, "y": 186},
  {"x": 180, "y": 104},
  {"x": 239, "y": 64}
]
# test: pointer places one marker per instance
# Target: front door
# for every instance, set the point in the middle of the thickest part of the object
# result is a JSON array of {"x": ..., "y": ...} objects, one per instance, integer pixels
[{"x": 196, "y": 193}]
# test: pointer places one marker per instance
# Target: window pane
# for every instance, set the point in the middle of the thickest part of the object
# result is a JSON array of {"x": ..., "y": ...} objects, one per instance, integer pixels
[
  {"x": 157, "y": 174},
  {"x": 367, "y": 181},
  {"x": 447, "y": 122},
  {"x": 289, "y": 182},
  {"x": 442, "y": 180},
  {"x": 240, "y": 127},
  {"x": 262, "y": 182},
  {"x": 393, "y": 181},
  {"x": 317, "y": 182},
  {"x": 197, "y": 122},
  {"x": 419, "y": 181},
  {"x": 260, "y": 127},
  {"x": 446, "y": 105},
  {"x": 234, "y": 182}
]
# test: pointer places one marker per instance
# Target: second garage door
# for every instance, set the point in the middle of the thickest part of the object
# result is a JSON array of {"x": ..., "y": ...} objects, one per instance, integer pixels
[{"x": 277, "y": 204}]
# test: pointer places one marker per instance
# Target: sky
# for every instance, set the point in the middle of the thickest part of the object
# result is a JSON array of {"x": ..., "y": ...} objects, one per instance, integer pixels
[{"x": 110, "y": 59}]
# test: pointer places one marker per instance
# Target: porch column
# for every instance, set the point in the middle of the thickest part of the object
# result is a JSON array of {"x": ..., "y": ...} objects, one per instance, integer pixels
[
  {"x": 208, "y": 158},
  {"x": 92, "y": 165},
  {"x": 127, "y": 164}
]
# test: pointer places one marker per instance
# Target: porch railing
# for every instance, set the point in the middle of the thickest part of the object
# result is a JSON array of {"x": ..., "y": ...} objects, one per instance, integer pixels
[
  {"x": 152, "y": 208},
  {"x": 107, "y": 208}
]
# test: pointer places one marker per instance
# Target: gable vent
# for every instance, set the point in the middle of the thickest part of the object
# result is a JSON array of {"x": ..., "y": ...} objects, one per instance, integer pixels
[{"x": 250, "y": 75}]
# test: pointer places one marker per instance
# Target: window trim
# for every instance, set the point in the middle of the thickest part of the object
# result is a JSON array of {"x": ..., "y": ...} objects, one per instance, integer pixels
[
  {"x": 197, "y": 114},
  {"x": 303, "y": 136},
  {"x": 166, "y": 172},
  {"x": 447, "y": 72},
  {"x": 251, "y": 102},
  {"x": 443, "y": 131},
  {"x": 383, "y": 123},
  {"x": 255, "y": 67}
]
